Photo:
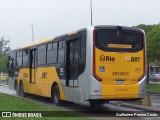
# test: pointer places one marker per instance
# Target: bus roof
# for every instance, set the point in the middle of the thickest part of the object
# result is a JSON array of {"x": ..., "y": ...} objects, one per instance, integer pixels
[{"x": 41, "y": 41}]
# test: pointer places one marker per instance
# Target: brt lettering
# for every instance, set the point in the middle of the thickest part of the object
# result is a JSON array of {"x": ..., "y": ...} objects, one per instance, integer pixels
[
  {"x": 132, "y": 59},
  {"x": 135, "y": 59}
]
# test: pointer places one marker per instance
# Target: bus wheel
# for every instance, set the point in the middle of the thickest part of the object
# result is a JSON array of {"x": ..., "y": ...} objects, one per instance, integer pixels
[
  {"x": 21, "y": 90},
  {"x": 97, "y": 102},
  {"x": 56, "y": 95}
]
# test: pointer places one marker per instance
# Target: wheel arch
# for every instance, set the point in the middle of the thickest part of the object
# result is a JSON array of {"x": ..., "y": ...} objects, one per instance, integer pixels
[
  {"x": 54, "y": 84},
  {"x": 20, "y": 82}
]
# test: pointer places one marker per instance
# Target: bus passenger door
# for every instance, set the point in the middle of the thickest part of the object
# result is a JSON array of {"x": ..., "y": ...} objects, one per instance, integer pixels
[
  {"x": 33, "y": 66},
  {"x": 72, "y": 63}
]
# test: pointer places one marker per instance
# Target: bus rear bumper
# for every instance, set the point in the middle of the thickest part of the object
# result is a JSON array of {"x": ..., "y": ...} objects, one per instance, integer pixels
[
  {"x": 114, "y": 97},
  {"x": 118, "y": 92}
]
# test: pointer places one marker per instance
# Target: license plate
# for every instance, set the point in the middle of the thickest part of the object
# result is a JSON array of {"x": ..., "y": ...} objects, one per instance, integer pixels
[{"x": 120, "y": 81}]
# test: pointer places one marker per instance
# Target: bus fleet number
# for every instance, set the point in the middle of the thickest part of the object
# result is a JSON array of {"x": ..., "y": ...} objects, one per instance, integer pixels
[{"x": 120, "y": 73}]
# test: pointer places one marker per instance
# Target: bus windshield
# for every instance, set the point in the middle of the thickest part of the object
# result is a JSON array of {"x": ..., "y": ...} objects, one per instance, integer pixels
[{"x": 116, "y": 40}]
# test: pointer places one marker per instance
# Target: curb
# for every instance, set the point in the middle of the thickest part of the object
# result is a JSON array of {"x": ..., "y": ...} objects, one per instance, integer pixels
[
  {"x": 137, "y": 106},
  {"x": 153, "y": 93},
  {"x": 141, "y": 107},
  {"x": 4, "y": 85}
]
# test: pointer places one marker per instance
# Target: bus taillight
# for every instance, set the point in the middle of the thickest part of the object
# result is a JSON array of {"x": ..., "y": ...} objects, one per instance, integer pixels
[
  {"x": 144, "y": 57},
  {"x": 94, "y": 56}
]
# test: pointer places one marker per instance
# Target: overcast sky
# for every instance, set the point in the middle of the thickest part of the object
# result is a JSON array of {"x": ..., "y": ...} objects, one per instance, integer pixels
[{"x": 56, "y": 17}]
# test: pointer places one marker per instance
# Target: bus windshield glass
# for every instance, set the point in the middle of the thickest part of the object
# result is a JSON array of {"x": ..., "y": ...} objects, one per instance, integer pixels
[{"x": 116, "y": 40}]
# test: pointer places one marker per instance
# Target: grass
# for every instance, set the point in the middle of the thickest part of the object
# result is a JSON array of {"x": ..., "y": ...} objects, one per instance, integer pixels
[
  {"x": 152, "y": 87},
  {"x": 11, "y": 103}
]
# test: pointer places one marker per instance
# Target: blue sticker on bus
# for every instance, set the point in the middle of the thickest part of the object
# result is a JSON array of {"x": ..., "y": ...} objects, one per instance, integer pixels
[{"x": 102, "y": 69}]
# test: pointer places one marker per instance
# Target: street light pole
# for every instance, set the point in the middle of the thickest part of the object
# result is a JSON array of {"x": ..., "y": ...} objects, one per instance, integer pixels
[
  {"x": 32, "y": 32},
  {"x": 91, "y": 10}
]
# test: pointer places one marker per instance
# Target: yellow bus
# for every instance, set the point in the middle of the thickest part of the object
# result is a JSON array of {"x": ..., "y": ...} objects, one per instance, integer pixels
[{"x": 96, "y": 64}]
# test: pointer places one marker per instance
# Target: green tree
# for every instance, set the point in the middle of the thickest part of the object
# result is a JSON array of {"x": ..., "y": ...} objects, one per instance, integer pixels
[
  {"x": 153, "y": 44},
  {"x": 3, "y": 63},
  {"x": 146, "y": 28},
  {"x": 4, "y": 50}
]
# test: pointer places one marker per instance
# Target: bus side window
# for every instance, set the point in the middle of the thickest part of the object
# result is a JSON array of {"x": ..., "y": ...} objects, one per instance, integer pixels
[
  {"x": 83, "y": 47},
  {"x": 52, "y": 53},
  {"x": 19, "y": 58},
  {"x": 42, "y": 54},
  {"x": 82, "y": 59},
  {"x": 25, "y": 58},
  {"x": 60, "y": 52},
  {"x": 33, "y": 60}
]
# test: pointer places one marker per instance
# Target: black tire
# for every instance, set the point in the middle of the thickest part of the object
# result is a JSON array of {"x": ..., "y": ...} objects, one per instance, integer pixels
[
  {"x": 97, "y": 102},
  {"x": 56, "y": 95},
  {"x": 21, "y": 90},
  {"x": 16, "y": 88}
]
